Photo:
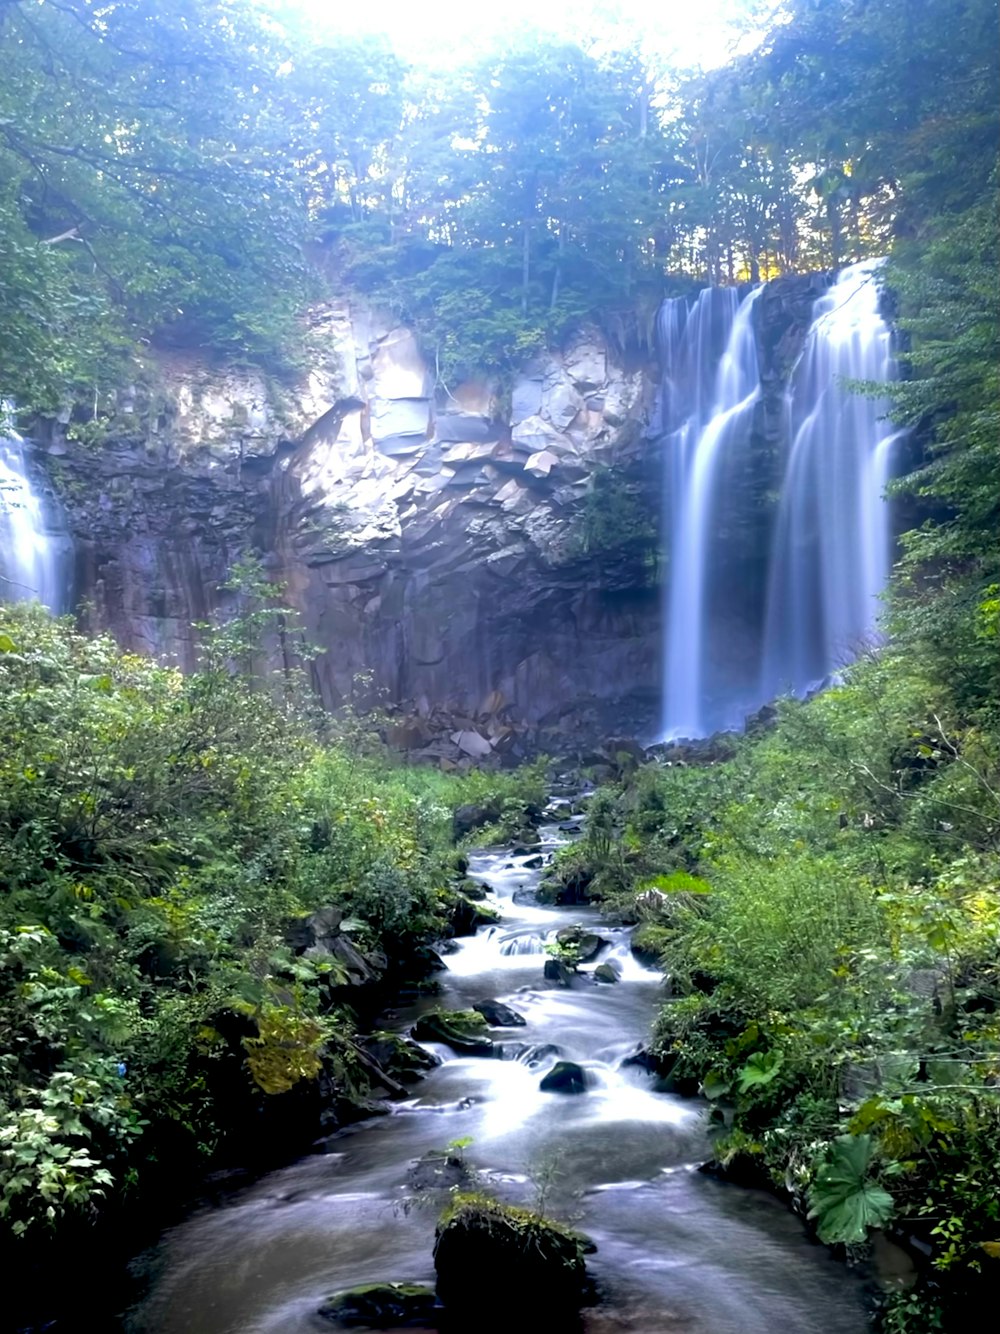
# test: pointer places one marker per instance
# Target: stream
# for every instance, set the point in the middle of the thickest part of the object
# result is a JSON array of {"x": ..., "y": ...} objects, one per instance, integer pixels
[{"x": 677, "y": 1249}]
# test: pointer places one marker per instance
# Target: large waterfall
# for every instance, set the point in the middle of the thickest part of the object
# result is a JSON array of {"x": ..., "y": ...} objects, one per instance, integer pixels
[
  {"x": 831, "y": 551},
  {"x": 34, "y": 548},
  {"x": 825, "y": 553}
]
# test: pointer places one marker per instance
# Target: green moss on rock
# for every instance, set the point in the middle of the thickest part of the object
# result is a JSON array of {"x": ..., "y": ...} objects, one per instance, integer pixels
[
  {"x": 380, "y": 1305},
  {"x": 478, "y": 1238}
]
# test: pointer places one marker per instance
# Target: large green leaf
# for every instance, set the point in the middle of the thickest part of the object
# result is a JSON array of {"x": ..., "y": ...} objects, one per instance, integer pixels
[
  {"x": 761, "y": 1068},
  {"x": 843, "y": 1200}
]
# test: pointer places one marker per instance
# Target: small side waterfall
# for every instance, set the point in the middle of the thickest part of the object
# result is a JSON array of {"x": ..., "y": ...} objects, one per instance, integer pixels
[
  {"x": 33, "y": 546},
  {"x": 696, "y": 450},
  {"x": 831, "y": 550},
  {"x": 743, "y": 623}
]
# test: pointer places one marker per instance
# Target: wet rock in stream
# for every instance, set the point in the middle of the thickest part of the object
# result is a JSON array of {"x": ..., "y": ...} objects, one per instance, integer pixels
[
  {"x": 556, "y": 971},
  {"x": 380, "y": 1306},
  {"x": 540, "y": 1266},
  {"x": 565, "y": 1077},
  {"x": 461, "y": 1030},
  {"x": 498, "y": 1015},
  {"x": 582, "y": 944},
  {"x": 467, "y": 917},
  {"x": 403, "y": 1059}
]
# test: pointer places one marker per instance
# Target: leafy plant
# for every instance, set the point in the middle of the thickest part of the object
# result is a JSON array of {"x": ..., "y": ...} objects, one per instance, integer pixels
[{"x": 844, "y": 1199}]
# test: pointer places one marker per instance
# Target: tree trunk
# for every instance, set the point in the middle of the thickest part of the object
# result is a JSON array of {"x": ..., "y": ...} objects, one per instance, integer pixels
[{"x": 525, "y": 266}]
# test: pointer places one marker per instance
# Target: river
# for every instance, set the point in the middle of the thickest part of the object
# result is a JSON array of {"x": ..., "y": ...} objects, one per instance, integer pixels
[{"x": 677, "y": 1250}]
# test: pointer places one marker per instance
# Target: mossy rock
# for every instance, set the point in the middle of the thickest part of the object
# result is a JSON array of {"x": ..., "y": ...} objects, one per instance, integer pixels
[
  {"x": 569, "y": 881},
  {"x": 472, "y": 889},
  {"x": 498, "y": 1015},
  {"x": 565, "y": 1077},
  {"x": 480, "y": 1240},
  {"x": 464, "y": 1031},
  {"x": 649, "y": 944},
  {"x": 381, "y": 1305},
  {"x": 399, "y": 1056},
  {"x": 607, "y": 972},
  {"x": 578, "y": 945},
  {"x": 467, "y": 917}
]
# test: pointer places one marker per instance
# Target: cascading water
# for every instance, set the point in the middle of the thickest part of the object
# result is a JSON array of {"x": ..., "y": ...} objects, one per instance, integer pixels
[
  {"x": 675, "y": 1249},
  {"x": 825, "y": 558},
  {"x": 831, "y": 549},
  {"x": 33, "y": 550},
  {"x": 696, "y": 451}
]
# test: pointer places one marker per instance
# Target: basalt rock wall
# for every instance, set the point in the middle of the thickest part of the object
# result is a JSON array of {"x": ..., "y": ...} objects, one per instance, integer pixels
[{"x": 435, "y": 538}]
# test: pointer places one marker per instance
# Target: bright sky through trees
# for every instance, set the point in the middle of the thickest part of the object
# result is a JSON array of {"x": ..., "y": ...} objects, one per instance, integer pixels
[{"x": 449, "y": 31}]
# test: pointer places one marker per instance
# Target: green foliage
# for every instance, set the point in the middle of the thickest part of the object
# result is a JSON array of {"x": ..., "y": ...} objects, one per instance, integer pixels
[
  {"x": 844, "y": 1200},
  {"x": 159, "y": 837},
  {"x": 835, "y": 991},
  {"x": 617, "y": 520},
  {"x": 135, "y": 148}
]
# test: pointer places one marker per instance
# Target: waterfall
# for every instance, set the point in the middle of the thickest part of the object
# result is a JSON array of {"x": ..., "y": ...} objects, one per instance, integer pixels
[
  {"x": 705, "y": 427},
  {"x": 33, "y": 545},
  {"x": 744, "y": 622},
  {"x": 830, "y": 559}
]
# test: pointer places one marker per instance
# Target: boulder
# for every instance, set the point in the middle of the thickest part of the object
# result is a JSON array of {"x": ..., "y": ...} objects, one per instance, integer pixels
[
  {"x": 472, "y": 889},
  {"x": 467, "y": 917},
  {"x": 492, "y": 1256},
  {"x": 565, "y": 1077},
  {"x": 403, "y": 1059},
  {"x": 464, "y": 1031},
  {"x": 584, "y": 945},
  {"x": 355, "y": 968},
  {"x": 440, "y": 1170},
  {"x": 543, "y": 1051},
  {"x": 556, "y": 971},
  {"x": 470, "y": 817},
  {"x": 381, "y": 1306},
  {"x": 641, "y": 1059},
  {"x": 648, "y": 944},
  {"x": 607, "y": 972},
  {"x": 498, "y": 1015},
  {"x": 318, "y": 929}
]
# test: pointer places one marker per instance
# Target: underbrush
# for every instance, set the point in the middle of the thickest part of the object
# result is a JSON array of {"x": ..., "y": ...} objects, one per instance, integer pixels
[{"x": 165, "y": 841}]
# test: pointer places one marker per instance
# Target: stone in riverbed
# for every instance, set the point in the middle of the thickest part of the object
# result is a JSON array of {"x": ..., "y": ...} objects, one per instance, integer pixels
[
  {"x": 380, "y": 1305},
  {"x": 498, "y": 1015},
  {"x": 607, "y": 972},
  {"x": 583, "y": 944},
  {"x": 565, "y": 1077},
  {"x": 541, "y": 1266},
  {"x": 461, "y": 1030},
  {"x": 556, "y": 971},
  {"x": 400, "y": 1057},
  {"x": 467, "y": 917}
]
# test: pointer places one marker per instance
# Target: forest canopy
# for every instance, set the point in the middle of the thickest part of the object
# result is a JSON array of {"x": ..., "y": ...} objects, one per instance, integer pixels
[{"x": 197, "y": 172}]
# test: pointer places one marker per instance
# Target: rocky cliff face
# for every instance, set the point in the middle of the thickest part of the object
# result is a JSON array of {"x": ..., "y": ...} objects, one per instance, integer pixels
[
  {"x": 435, "y": 538},
  {"x": 431, "y": 538}
]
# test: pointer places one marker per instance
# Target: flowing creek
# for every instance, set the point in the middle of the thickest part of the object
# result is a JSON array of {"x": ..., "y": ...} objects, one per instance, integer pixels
[{"x": 677, "y": 1250}]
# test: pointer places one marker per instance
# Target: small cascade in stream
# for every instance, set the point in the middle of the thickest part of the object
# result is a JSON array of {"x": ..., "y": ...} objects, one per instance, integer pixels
[
  {"x": 675, "y": 1249},
  {"x": 696, "y": 451},
  {"x": 33, "y": 545},
  {"x": 831, "y": 551},
  {"x": 769, "y": 595}
]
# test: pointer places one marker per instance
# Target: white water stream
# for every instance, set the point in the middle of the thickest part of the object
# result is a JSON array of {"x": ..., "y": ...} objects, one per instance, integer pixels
[{"x": 677, "y": 1250}]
